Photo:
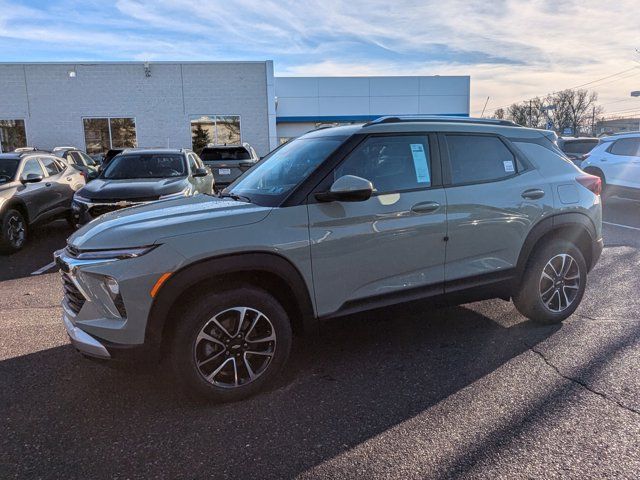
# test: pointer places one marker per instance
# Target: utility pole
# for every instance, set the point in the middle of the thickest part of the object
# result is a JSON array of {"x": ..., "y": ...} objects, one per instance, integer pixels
[
  {"x": 485, "y": 106},
  {"x": 593, "y": 122}
]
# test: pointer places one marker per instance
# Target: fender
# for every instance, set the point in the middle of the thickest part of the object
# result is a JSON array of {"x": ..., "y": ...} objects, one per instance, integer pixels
[
  {"x": 575, "y": 220},
  {"x": 211, "y": 268}
]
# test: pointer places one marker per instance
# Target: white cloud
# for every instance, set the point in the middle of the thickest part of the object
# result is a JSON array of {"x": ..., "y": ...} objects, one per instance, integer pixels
[{"x": 513, "y": 49}]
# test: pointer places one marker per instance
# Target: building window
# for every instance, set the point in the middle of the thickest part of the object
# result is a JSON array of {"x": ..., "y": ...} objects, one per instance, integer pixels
[
  {"x": 102, "y": 134},
  {"x": 12, "y": 135},
  {"x": 216, "y": 130}
]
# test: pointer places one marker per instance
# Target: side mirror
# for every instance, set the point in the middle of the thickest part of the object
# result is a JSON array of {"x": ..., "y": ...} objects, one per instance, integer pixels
[
  {"x": 200, "y": 172},
  {"x": 347, "y": 188},
  {"x": 32, "y": 178}
]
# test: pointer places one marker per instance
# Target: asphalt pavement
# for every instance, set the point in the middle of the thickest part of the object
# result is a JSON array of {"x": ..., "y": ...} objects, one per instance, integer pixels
[{"x": 475, "y": 391}]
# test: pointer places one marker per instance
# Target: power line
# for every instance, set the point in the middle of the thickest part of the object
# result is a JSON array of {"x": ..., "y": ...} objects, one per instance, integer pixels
[{"x": 578, "y": 86}]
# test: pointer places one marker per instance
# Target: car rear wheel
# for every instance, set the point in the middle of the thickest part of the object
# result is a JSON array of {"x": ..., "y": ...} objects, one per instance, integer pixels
[
  {"x": 13, "y": 231},
  {"x": 231, "y": 344},
  {"x": 553, "y": 283}
]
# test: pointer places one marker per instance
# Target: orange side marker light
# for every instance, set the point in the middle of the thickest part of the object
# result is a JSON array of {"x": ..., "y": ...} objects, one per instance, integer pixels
[{"x": 163, "y": 278}]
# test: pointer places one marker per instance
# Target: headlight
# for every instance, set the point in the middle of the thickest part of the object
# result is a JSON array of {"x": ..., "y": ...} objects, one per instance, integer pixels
[
  {"x": 183, "y": 193},
  {"x": 115, "y": 254}
]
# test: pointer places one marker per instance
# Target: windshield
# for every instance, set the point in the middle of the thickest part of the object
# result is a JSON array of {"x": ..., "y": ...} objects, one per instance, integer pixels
[
  {"x": 271, "y": 180},
  {"x": 217, "y": 154},
  {"x": 8, "y": 168},
  {"x": 150, "y": 165}
]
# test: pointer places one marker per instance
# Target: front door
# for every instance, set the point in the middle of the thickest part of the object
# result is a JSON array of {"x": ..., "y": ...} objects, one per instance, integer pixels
[
  {"x": 34, "y": 195},
  {"x": 387, "y": 248}
]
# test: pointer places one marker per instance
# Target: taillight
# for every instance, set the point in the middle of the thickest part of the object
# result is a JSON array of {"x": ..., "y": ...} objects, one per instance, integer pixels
[{"x": 590, "y": 182}]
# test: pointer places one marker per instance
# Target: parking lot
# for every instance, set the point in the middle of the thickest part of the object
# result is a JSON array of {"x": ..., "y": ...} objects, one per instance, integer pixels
[{"x": 469, "y": 391}]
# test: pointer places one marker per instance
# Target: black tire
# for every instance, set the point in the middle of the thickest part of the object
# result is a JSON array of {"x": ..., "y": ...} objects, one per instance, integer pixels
[
  {"x": 12, "y": 240},
  {"x": 529, "y": 299},
  {"x": 185, "y": 349}
]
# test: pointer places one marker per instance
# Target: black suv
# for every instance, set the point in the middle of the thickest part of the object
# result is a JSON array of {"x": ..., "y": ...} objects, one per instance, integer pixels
[
  {"x": 35, "y": 187},
  {"x": 138, "y": 176}
]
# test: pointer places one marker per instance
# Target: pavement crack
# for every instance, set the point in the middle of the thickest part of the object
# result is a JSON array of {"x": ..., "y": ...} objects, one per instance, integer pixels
[{"x": 579, "y": 382}]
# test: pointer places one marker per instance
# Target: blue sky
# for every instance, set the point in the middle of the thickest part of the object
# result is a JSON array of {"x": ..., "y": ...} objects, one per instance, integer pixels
[{"x": 513, "y": 49}]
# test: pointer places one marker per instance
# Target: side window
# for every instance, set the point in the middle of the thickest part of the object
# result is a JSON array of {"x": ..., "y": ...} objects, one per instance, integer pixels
[
  {"x": 193, "y": 164},
  {"x": 391, "y": 164},
  {"x": 198, "y": 160},
  {"x": 475, "y": 158},
  {"x": 31, "y": 166},
  {"x": 629, "y": 147},
  {"x": 74, "y": 157},
  {"x": 50, "y": 166}
]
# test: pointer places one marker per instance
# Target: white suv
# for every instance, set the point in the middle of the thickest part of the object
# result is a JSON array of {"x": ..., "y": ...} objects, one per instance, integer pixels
[{"x": 616, "y": 160}]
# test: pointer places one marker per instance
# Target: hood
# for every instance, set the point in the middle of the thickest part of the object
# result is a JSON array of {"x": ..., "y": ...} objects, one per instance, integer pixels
[
  {"x": 102, "y": 189},
  {"x": 148, "y": 224}
]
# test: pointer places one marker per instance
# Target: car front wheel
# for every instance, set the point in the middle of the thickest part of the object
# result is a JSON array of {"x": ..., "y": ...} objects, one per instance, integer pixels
[
  {"x": 13, "y": 231},
  {"x": 553, "y": 284},
  {"x": 229, "y": 345}
]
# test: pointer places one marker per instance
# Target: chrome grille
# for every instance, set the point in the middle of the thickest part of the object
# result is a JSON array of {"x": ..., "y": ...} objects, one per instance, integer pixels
[{"x": 74, "y": 299}]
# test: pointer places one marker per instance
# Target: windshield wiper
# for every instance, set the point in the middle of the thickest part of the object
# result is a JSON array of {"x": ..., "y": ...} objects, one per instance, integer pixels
[{"x": 234, "y": 196}]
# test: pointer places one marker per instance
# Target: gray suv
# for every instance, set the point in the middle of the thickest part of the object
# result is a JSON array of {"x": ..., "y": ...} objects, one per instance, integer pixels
[{"x": 338, "y": 221}]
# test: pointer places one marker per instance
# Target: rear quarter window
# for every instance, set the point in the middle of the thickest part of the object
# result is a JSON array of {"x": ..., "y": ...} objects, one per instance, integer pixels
[{"x": 479, "y": 158}]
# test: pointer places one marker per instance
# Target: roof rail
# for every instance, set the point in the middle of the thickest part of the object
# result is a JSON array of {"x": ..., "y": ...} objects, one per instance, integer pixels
[{"x": 439, "y": 118}]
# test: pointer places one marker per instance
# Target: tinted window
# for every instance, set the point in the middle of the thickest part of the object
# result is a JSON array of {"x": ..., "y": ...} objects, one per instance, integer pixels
[
  {"x": 391, "y": 164},
  {"x": 479, "y": 159},
  {"x": 74, "y": 157},
  {"x": 629, "y": 147},
  {"x": 50, "y": 166},
  {"x": 581, "y": 146},
  {"x": 283, "y": 169},
  {"x": 8, "y": 168},
  {"x": 218, "y": 154},
  {"x": 32, "y": 166},
  {"x": 145, "y": 166},
  {"x": 86, "y": 158}
]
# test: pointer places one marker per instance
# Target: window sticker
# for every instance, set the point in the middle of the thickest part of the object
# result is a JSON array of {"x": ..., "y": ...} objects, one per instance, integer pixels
[
  {"x": 508, "y": 166},
  {"x": 420, "y": 163}
]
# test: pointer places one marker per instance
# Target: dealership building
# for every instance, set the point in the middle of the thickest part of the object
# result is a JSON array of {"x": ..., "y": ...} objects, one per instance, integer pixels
[{"x": 96, "y": 106}]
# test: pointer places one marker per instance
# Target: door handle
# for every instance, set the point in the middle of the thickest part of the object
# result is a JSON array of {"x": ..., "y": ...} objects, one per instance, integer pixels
[
  {"x": 533, "y": 194},
  {"x": 425, "y": 207},
  {"x": 47, "y": 184}
]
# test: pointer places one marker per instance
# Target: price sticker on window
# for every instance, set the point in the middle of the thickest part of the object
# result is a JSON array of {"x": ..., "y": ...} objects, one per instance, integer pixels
[
  {"x": 420, "y": 163},
  {"x": 508, "y": 166}
]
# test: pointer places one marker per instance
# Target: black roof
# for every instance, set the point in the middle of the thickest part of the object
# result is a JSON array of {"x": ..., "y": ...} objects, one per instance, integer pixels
[{"x": 135, "y": 151}]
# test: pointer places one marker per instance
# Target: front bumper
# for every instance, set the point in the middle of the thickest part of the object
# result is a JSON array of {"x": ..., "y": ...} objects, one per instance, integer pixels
[{"x": 81, "y": 340}]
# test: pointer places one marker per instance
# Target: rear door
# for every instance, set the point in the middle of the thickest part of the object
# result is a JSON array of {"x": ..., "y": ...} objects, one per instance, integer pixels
[
  {"x": 388, "y": 248},
  {"x": 621, "y": 164},
  {"x": 494, "y": 197},
  {"x": 58, "y": 183}
]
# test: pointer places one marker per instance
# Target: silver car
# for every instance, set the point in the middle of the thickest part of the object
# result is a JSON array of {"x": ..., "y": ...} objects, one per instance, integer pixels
[
  {"x": 35, "y": 187},
  {"x": 338, "y": 221}
]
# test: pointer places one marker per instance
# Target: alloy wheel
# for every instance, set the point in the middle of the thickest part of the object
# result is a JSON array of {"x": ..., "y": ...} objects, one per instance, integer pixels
[
  {"x": 16, "y": 231},
  {"x": 560, "y": 282},
  {"x": 235, "y": 347}
]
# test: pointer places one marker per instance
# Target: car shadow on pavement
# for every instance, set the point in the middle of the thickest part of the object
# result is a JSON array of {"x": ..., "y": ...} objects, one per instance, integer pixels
[
  {"x": 38, "y": 251},
  {"x": 362, "y": 376}
]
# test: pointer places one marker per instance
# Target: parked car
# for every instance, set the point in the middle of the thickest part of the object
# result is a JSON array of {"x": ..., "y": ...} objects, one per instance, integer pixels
[
  {"x": 35, "y": 187},
  {"x": 616, "y": 160},
  {"x": 79, "y": 160},
  {"x": 338, "y": 221},
  {"x": 139, "y": 176},
  {"x": 228, "y": 162},
  {"x": 110, "y": 156},
  {"x": 577, "y": 148}
]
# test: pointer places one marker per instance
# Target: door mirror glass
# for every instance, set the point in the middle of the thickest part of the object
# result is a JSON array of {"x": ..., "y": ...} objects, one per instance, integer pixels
[
  {"x": 200, "y": 172},
  {"x": 32, "y": 178},
  {"x": 347, "y": 188}
]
